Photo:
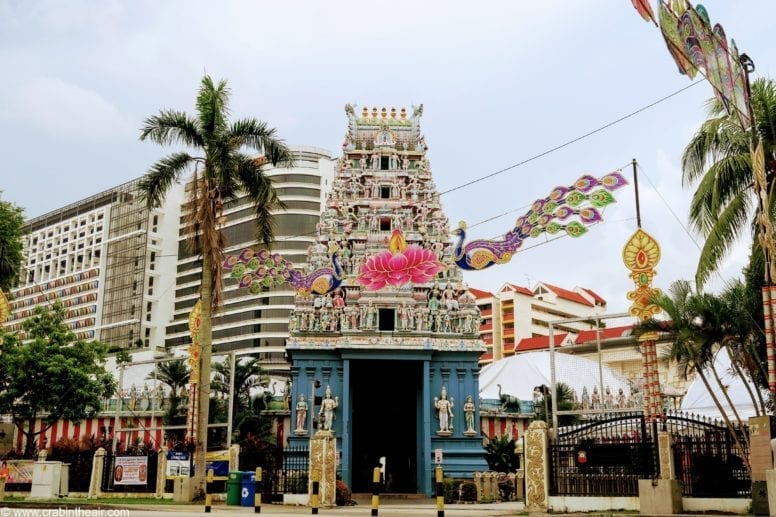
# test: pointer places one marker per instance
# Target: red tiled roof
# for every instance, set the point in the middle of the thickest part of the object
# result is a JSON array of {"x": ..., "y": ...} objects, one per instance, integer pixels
[
  {"x": 479, "y": 294},
  {"x": 568, "y": 295},
  {"x": 538, "y": 343},
  {"x": 518, "y": 289},
  {"x": 595, "y": 295},
  {"x": 589, "y": 336}
]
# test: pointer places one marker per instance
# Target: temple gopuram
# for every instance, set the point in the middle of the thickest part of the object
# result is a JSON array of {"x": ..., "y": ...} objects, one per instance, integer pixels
[{"x": 384, "y": 339}]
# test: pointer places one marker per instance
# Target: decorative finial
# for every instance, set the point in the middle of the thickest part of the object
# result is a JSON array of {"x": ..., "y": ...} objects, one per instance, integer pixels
[
  {"x": 374, "y": 112},
  {"x": 365, "y": 112},
  {"x": 403, "y": 113},
  {"x": 393, "y": 112},
  {"x": 384, "y": 112}
]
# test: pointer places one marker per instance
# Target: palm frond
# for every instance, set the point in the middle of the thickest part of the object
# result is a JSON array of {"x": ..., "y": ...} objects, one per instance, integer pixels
[
  {"x": 262, "y": 194},
  {"x": 725, "y": 232},
  {"x": 160, "y": 177},
  {"x": 213, "y": 106},
  {"x": 171, "y": 127},
  {"x": 256, "y": 135}
]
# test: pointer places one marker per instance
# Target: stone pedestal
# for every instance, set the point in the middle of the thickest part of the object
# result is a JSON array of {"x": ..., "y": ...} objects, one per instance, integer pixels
[
  {"x": 660, "y": 497},
  {"x": 323, "y": 462},
  {"x": 537, "y": 495}
]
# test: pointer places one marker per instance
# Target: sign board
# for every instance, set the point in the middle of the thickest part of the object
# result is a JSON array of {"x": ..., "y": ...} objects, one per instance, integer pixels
[
  {"x": 438, "y": 456},
  {"x": 178, "y": 464},
  {"x": 130, "y": 470}
]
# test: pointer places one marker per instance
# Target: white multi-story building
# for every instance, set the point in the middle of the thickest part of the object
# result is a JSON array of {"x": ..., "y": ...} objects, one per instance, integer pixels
[
  {"x": 101, "y": 258},
  {"x": 258, "y": 321},
  {"x": 517, "y": 313}
]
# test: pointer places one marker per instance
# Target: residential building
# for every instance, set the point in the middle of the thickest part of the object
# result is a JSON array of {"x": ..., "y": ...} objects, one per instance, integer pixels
[
  {"x": 103, "y": 258},
  {"x": 257, "y": 321},
  {"x": 515, "y": 313}
]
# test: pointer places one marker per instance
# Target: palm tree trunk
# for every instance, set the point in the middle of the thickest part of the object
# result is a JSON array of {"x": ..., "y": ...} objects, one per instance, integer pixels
[
  {"x": 724, "y": 416},
  {"x": 729, "y": 401},
  {"x": 206, "y": 342},
  {"x": 744, "y": 380}
]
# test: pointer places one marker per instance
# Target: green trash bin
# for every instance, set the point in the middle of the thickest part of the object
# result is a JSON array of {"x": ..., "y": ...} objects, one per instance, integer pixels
[{"x": 233, "y": 486}]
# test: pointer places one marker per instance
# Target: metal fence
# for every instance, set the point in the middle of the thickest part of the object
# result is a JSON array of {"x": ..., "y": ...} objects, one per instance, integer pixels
[
  {"x": 79, "y": 469},
  {"x": 295, "y": 469},
  {"x": 270, "y": 459},
  {"x": 606, "y": 455},
  {"x": 708, "y": 459}
]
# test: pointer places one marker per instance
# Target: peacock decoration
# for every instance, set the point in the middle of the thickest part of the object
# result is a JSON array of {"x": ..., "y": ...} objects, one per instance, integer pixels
[
  {"x": 580, "y": 201},
  {"x": 262, "y": 269}
]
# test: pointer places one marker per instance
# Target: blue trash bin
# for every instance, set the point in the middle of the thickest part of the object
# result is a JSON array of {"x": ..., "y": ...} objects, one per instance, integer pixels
[{"x": 248, "y": 491}]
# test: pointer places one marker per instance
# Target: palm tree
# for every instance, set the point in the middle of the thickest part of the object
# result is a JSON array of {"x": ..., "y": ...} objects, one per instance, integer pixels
[
  {"x": 222, "y": 171},
  {"x": 718, "y": 159},
  {"x": 694, "y": 331},
  {"x": 175, "y": 374},
  {"x": 247, "y": 375}
]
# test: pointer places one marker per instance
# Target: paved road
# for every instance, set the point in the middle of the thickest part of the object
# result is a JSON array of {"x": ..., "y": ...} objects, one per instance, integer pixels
[{"x": 398, "y": 510}]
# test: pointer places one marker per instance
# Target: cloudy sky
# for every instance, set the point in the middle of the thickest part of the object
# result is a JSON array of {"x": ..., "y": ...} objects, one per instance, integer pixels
[{"x": 501, "y": 82}]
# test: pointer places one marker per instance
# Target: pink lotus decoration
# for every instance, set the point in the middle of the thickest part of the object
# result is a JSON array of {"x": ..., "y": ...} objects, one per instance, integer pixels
[{"x": 398, "y": 265}]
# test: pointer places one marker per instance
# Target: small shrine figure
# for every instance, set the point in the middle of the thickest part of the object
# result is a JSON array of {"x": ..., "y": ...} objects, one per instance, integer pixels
[
  {"x": 621, "y": 400},
  {"x": 468, "y": 410},
  {"x": 608, "y": 399},
  {"x": 404, "y": 315},
  {"x": 287, "y": 394},
  {"x": 585, "y": 398},
  {"x": 301, "y": 415},
  {"x": 145, "y": 398},
  {"x": 338, "y": 302},
  {"x": 328, "y": 405},
  {"x": 595, "y": 398},
  {"x": 133, "y": 397},
  {"x": 444, "y": 409}
]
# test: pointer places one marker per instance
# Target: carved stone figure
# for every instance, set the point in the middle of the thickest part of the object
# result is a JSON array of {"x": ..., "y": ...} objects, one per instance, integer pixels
[
  {"x": 585, "y": 398},
  {"x": 444, "y": 409},
  {"x": 468, "y": 410},
  {"x": 328, "y": 405},
  {"x": 301, "y": 415},
  {"x": 595, "y": 398}
]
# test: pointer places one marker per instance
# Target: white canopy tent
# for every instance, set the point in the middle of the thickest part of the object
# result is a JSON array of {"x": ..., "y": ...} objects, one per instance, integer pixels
[
  {"x": 521, "y": 373},
  {"x": 698, "y": 401}
]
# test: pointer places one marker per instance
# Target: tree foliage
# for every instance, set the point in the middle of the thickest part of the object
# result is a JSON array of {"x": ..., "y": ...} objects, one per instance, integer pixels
[
  {"x": 222, "y": 171},
  {"x": 53, "y": 375},
  {"x": 11, "y": 248},
  {"x": 500, "y": 454},
  {"x": 717, "y": 161}
]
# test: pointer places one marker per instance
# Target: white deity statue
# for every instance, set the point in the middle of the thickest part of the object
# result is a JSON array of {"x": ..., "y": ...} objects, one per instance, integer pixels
[
  {"x": 444, "y": 409},
  {"x": 328, "y": 405}
]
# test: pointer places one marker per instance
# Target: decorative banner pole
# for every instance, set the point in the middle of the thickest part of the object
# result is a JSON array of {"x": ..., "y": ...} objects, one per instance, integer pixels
[
  {"x": 195, "y": 322},
  {"x": 640, "y": 255},
  {"x": 697, "y": 47}
]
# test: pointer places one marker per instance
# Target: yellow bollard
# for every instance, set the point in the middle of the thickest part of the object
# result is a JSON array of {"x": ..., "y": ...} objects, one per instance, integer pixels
[
  {"x": 315, "y": 498},
  {"x": 257, "y": 497},
  {"x": 375, "y": 490},
  {"x": 208, "y": 489},
  {"x": 440, "y": 492}
]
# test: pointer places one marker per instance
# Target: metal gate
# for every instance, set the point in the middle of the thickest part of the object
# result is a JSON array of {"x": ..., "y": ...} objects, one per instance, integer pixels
[{"x": 603, "y": 456}]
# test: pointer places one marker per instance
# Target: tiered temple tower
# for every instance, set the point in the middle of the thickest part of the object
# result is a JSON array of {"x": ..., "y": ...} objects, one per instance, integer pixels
[{"x": 396, "y": 342}]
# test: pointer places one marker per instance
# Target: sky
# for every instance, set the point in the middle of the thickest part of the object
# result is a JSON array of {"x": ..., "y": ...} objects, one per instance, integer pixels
[{"x": 500, "y": 81}]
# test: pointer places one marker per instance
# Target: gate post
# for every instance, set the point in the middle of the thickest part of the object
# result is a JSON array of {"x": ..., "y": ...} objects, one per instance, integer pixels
[
  {"x": 323, "y": 460},
  {"x": 98, "y": 464},
  {"x": 763, "y": 475},
  {"x": 661, "y": 496},
  {"x": 536, "y": 468}
]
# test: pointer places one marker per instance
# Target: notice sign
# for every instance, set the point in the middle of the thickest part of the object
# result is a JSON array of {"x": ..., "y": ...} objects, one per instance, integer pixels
[
  {"x": 130, "y": 470},
  {"x": 438, "y": 456},
  {"x": 178, "y": 464}
]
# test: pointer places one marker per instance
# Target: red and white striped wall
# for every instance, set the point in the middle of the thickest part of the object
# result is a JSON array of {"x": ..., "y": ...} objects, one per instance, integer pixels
[{"x": 498, "y": 426}]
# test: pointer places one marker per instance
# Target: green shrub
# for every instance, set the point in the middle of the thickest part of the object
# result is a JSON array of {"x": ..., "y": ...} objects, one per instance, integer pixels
[
  {"x": 469, "y": 492},
  {"x": 450, "y": 487}
]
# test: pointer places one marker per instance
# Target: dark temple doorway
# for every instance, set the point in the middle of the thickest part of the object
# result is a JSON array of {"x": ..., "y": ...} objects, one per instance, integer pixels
[{"x": 385, "y": 397}]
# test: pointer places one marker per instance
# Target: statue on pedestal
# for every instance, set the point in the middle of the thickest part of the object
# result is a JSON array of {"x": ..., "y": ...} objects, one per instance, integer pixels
[
  {"x": 444, "y": 409},
  {"x": 301, "y": 415},
  {"x": 326, "y": 414},
  {"x": 468, "y": 410}
]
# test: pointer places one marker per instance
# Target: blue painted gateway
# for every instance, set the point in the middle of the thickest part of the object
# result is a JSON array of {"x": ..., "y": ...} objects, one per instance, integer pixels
[{"x": 384, "y": 338}]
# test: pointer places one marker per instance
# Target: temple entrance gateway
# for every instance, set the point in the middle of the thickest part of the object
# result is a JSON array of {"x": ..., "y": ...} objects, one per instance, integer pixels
[{"x": 385, "y": 402}]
